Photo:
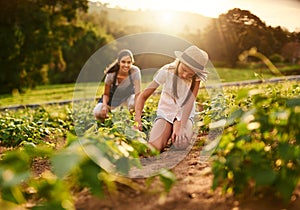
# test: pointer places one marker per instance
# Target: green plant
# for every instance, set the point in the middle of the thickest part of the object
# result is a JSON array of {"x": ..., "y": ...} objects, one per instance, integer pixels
[
  {"x": 260, "y": 147},
  {"x": 34, "y": 125},
  {"x": 98, "y": 159}
]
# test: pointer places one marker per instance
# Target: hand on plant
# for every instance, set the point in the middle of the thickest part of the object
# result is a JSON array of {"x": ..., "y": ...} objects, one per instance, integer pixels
[
  {"x": 104, "y": 111},
  {"x": 179, "y": 136},
  {"x": 138, "y": 123}
]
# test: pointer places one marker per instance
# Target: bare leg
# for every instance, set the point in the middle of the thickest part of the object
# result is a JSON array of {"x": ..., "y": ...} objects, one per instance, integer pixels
[
  {"x": 160, "y": 134},
  {"x": 189, "y": 128}
]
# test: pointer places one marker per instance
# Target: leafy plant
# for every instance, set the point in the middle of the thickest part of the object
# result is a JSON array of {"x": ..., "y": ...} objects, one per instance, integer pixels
[
  {"x": 260, "y": 147},
  {"x": 98, "y": 159},
  {"x": 34, "y": 125}
]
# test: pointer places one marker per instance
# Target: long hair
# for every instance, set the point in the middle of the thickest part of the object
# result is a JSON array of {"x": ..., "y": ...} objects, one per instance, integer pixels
[{"x": 175, "y": 78}]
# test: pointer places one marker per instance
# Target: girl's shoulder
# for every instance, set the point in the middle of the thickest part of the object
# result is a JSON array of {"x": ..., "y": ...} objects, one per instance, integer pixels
[
  {"x": 170, "y": 67},
  {"x": 165, "y": 72}
]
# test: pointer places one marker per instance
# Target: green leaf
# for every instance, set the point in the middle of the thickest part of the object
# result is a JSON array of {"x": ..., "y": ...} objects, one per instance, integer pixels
[
  {"x": 11, "y": 178},
  {"x": 7, "y": 205},
  {"x": 123, "y": 165},
  {"x": 264, "y": 177},
  {"x": 257, "y": 146},
  {"x": 71, "y": 138},
  {"x": 234, "y": 159},
  {"x": 242, "y": 129},
  {"x": 234, "y": 116},
  {"x": 293, "y": 102},
  {"x": 99, "y": 154},
  {"x": 89, "y": 177},
  {"x": 242, "y": 94},
  {"x": 17, "y": 161},
  {"x": 49, "y": 206},
  {"x": 286, "y": 187},
  {"x": 63, "y": 162},
  {"x": 168, "y": 179},
  {"x": 287, "y": 152}
]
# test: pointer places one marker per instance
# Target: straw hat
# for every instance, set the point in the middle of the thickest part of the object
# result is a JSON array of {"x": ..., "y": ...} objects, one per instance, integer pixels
[{"x": 194, "y": 58}]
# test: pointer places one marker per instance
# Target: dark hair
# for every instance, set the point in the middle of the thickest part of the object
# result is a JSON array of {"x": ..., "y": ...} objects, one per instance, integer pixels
[
  {"x": 125, "y": 52},
  {"x": 175, "y": 78},
  {"x": 114, "y": 67}
]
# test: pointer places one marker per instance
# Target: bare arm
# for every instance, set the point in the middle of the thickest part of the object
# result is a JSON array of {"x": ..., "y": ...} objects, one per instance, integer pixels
[
  {"x": 106, "y": 94},
  {"x": 137, "y": 89},
  {"x": 105, "y": 100},
  {"x": 140, "y": 102}
]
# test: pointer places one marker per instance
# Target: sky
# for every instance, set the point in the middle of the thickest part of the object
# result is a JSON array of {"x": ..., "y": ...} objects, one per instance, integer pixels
[{"x": 285, "y": 13}]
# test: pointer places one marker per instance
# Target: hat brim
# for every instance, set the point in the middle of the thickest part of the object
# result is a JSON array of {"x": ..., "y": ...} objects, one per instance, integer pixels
[{"x": 202, "y": 73}]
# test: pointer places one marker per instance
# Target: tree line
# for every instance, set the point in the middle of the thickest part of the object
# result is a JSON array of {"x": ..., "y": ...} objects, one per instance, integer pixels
[
  {"x": 48, "y": 42},
  {"x": 239, "y": 30}
]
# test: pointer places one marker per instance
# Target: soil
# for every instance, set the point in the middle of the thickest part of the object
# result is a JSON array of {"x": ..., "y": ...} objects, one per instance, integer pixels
[{"x": 192, "y": 191}]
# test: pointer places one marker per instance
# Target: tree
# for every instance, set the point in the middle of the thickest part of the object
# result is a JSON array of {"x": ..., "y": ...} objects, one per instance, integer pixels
[
  {"x": 234, "y": 32},
  {"x": 291, "y": 52},
  {"x": 76, "y": 55},
  {"x": 31, "y": 34}
]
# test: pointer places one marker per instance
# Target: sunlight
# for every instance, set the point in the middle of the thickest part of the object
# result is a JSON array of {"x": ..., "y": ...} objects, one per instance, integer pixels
[
  {"x": 210, "y": 8},
  {"x": 166, "y": 17},
  {"x": 167, "y": 21},
  {"x": 213, "y": 8}
]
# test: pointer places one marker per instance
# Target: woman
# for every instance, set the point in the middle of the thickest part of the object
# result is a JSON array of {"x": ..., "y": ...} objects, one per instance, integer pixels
[
  {"x": 176, "y": 108},
  {"x": 122, "y": 85}
]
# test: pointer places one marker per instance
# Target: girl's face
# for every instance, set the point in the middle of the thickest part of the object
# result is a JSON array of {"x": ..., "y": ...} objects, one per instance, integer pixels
[
  {"x": 184, "y": 72},
  {"x": 125, "y": 64}
]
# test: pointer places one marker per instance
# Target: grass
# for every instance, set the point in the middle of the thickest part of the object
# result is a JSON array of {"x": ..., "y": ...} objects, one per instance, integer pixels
[
  {"x": 232, "y": 75},
  {"x": 40, "y": 94},
  {"x": 61, "y": 92}
]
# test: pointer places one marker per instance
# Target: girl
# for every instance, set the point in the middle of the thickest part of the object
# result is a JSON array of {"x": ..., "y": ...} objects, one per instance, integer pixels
[
  {"x": 176, "y": 107},
  {"x": 122, "y": 85}
]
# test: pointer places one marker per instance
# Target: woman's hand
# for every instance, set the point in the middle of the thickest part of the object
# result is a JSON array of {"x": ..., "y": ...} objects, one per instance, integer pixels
[
  {"x": 104, "y": 111},
  {"x": 179, "y": 136},
  {"x": 138, "y": 123}
]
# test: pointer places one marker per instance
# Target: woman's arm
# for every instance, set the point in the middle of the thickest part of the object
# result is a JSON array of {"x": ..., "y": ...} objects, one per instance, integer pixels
[
  {"x": 105, "y": 100},
  {"x": 140, "y": 102},
  {"x": 106, "y": 94},
  {"x": 137, "y": 89}
]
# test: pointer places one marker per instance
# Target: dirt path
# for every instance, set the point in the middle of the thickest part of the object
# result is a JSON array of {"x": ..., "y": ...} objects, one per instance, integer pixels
[{"x": 192, "y": 191}]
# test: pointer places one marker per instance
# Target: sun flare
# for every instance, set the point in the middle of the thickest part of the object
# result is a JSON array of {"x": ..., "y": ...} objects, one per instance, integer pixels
[
  {"x": 166, "y": 17},
  {"x": 213, "y": 8}
]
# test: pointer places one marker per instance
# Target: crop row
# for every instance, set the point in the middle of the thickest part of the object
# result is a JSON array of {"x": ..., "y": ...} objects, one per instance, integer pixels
[{"x": 257, "y": 135}]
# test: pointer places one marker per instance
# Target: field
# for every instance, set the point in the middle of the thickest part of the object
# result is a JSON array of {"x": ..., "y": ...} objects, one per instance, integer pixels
[
  {"x": 245, "y": 153},
  {"x": 65, "y": 92}
]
